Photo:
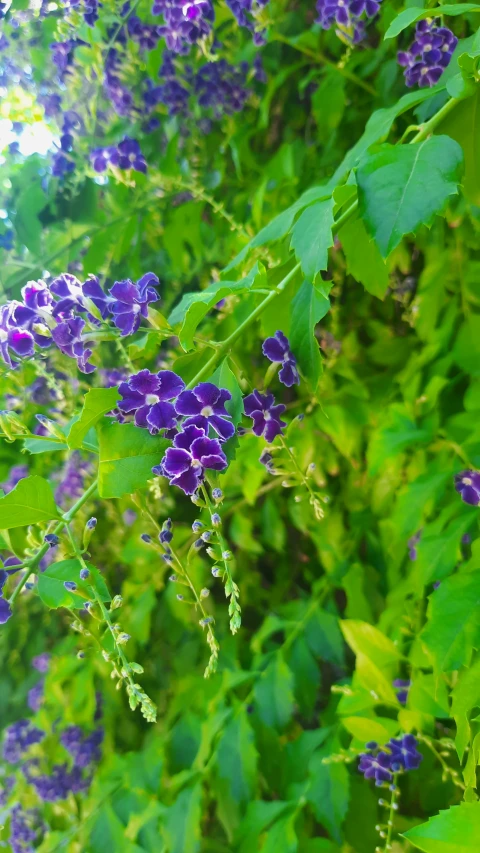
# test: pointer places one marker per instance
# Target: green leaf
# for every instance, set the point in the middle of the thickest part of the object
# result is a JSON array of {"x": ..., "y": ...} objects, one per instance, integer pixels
[
  {"x": 127, "y": 455},
  {"x": 306, "y": 675},
  {"x": 194, "y": 306},
  {"x": 98, "y": 401},
  {"x": 30, "y": 502},
  {"x": 465, "y": 696},
  {"x": 308, "y": 308},
  {"x": 181, "y": 829},
  {"x": 368, "y": 640},
  {"x": 453, "y": 619},
  {"x": 224, "y": 378},
  {"x": 312, "y": 237},
  {"x": 27, "y": 224},
  {"x": 236, "y": 761},
  {"x": 364, "y": 261},
  {"x": 437, "y": 555},
  {"x": 52, "y": 591},
  {"x": 463, "y": 125},
  {"x": 411, "y": 15},
  {"x": 274, "y": 694},
  {"x": 404, "y": 186},
  {"x": 324, "y": 637},
  {"x": 371, "y": 728},
  {"x": 328, "y": 793},
  {"x": 260, "y": 815},
  {"x": 455, "y": 830},
  {"x": 282, "y": 836}
]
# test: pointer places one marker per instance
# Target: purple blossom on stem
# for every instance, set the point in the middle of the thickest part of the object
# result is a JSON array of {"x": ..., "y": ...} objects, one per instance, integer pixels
[
  {"x": 205, "y": 407},
  {"x": 412, "y": 545},
  {"x": 404, "y": 753},
  {"x": 36, "y": 696},
  {"x": 265, "y": 414},
  {"x": 347, "y": 15},
  {"x": 5, "y": 611},
  {"x": 467, "y": 484},
  {"x": 127, "y": 155},
  {"x": 131, "y": 302},
  {"x": 376, "y": 767},
  {"x": 428, "y": 55},
  {"x": 277, "y": 349},
  {"x": 192, "y": 453},
  {"x": 68, "y": 338},
  {"x": 13, "y": 340},
  {"x": 18, "y": 738},
  {"x": 76, "y": 296},
  {"x": 148, "y": 396},
  {"x": 16, "y": 473},
  {"x": 41, "y": 662},
  {"x": 84, "y": 749},
  {"x": 401, "y": 687},
  {"x": 61, "y": 165}
]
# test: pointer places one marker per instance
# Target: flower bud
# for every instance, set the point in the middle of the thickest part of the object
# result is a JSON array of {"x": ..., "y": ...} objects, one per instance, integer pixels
[
  {"x": 52, "y": 539},
  {"x": 117, "y": 602},
  {"x": 70, "y": 585},
  {"x": 84, "y": 574}
]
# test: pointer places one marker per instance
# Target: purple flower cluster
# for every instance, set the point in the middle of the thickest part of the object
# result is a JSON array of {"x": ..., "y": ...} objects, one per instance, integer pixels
[
  {"x": 146, "y": 35},
  {"x": 125, "y": 155},
  {"x": 246, "y": 12},
  {"x": 19, "y": 737},
  {"x": 277, "y": 350},
  {"x": 265, "y": 415},
  {"x": 26, "y": 829},
  {"x": 72, "y": 479},
  {"x": 16, "y": 473},
  {"x": 467, "y": 484},
  {"x": 36, "y": 695},
  {"x": 84, "y": 749},
  {"x": 347, "y": 15},
  {"x": 217, "y": 87},
  {"x": 159, "y": 402},
  {"x": 41, "y": 320},
  {"x": 428, "y": 55},
  {"x": 186, "y": 22},
  {"x": 397, "y": 756}
]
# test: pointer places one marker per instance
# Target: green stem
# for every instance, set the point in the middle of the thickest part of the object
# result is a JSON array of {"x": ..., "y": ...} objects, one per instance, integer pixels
[
  {"x": 391, "y": 814},
  {"x": 431, "y": 124},
  {"x": 66, "y": 518},
  {"x": 227, "y": 344},
  {"x": 231, "y": 588},
  {"x": 324, "y": 60}
]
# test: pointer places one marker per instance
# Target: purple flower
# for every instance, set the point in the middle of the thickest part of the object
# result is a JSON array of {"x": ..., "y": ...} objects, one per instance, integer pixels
[
  {"x": 18, "y": 738},
  {"x": 131, "y": 302},
  {"x": 61, "y": 165},
  {"x": 36, "y": 696},
  {"x": 204, "y": 407},
  {"x": 191, "y": 454},
  {"x": 84, "y": 749},
  {"x": 16, "y": 473},
  {"x": 13, "y": 339},
  {"x": 148, "y": 395},
  {"x": 346, "y": 14},
  {"x": 428, "y": 55},
  {"x": 26, "y": 828},
  {"x": 376, "y": 767},
  {"x": 222, "y": 87},
  {"x": 127, "y": 155},
  {"x": 404, "y": 753},
  {"x": 277, "y": 349},
  {"x": 412, "y": 543},
  {"x": 68, "y": 338},
  {"x": 5, "y": 611},
  {"x": 37, "y": 296},
  {"x": 145, "y": 35},
  {"x": 72, "y": 479},
  {"x": 265, "y": 414},
  {"x": 100, "y": 158},
  {"x": 76, "y": 296},
  {"x": 467, "y": 484},
  {"x": 401, "y": 687},
  {"x": 41, "y": 662}
]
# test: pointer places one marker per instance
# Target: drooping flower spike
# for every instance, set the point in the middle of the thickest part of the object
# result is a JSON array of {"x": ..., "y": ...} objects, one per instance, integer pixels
[
  {"x": 428, "y": 55},
  {"x": 131, "y": 302},
  {"x": 277, "y": 349}
]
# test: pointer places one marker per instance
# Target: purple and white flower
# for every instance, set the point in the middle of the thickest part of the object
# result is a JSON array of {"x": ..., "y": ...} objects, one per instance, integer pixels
[
  {"x": 428, "y": 55},
  {"x": 265, "y": 414},
  {"x": 148, "y": 397},
  {"x": 467, "y": 484},
  {"x": 277, "y": 349},
  {"x": 204, "y": 406},
  {"x": 192, "y": 453},
  {"x": 131, "y": 302}
]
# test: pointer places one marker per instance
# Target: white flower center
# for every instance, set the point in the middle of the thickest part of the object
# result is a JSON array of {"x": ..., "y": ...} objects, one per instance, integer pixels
[
  {"x": 196, "y": 463},
  {"x": 466, "y": 481},
  {"x": 136, "y": 308},
  {"x": 427, "y": 48},
  {"x": 3, "y": 336},
  {"x": 151, "y": 399},
  {"x": 207, "y": 412},
  {"x": 267, "y": 416}
]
